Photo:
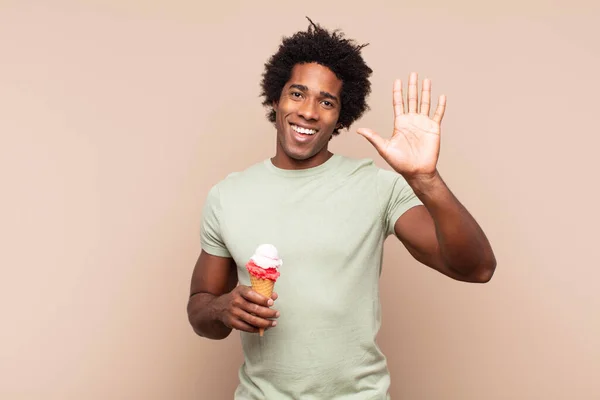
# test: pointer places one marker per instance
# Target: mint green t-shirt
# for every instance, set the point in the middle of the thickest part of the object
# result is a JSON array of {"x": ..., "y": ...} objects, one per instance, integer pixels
[{"x": 329, "y": 224}]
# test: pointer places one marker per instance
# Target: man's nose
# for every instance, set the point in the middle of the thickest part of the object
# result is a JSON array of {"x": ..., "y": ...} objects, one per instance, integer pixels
[{"x": 309, "y": 110}]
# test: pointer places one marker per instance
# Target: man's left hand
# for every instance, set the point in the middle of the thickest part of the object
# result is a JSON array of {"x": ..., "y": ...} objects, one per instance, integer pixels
[{"x": 414, "y": 147}]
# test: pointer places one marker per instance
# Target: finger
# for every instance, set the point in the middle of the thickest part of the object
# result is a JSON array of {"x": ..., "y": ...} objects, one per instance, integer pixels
[
  {"x": 274, "y": 296},
  {"x": 425, "y": 97},
  {"x": 253, "y": 308},
  {"x": 242, "y": 326},
  {"x": 398, "y": 99},
  {"x": 255, "y": 320},
  {"x": 440, "y": 110},
  {"x": 377, "y": 141},
  {"x": 412, "y": 92},
  {"x": 256, "y": 298}
]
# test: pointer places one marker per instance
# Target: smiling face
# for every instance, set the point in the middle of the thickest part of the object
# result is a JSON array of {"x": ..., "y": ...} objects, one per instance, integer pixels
[{"x": 306, "y": 115}]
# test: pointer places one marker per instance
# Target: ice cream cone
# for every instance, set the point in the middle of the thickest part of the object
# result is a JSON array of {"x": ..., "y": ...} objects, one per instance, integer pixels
[
  {"x": 263, "y": 268},
  {"x": 264, "y": 287}
]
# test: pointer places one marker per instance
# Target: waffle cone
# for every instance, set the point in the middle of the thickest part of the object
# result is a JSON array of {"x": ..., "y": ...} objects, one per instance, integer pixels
[{"x": 264, "y": 287}]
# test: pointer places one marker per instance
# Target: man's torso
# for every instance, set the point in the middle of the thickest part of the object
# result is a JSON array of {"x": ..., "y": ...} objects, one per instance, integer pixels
[{"x": 329, "y": 226}]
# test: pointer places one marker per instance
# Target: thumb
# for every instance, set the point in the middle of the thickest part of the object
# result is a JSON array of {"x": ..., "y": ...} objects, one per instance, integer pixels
[{"x": 377, "y": 141}]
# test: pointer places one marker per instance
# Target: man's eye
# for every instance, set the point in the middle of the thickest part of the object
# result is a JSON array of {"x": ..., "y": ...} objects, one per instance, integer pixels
[
  {"x": 328, "y": 104},
  {"x": 296, "y": 94}
]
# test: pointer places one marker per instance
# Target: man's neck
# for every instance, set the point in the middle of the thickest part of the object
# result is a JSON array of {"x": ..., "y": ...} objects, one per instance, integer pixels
[{"x": 286, "y": 162}]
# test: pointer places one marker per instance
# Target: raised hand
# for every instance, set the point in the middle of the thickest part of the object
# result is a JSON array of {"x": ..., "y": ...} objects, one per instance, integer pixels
[{"x": 414, "y": 147}]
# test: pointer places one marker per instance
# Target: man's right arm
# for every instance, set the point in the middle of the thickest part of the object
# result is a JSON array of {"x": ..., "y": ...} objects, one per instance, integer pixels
[{"x": 216, "y": 305}]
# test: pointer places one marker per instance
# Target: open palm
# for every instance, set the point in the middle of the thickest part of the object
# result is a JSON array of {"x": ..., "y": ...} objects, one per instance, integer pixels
[{"x": 414, "y": 146}]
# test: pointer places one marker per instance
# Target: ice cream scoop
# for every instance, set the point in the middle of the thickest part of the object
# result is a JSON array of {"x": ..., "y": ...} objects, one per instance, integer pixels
[{"x": 265, "y": 263}]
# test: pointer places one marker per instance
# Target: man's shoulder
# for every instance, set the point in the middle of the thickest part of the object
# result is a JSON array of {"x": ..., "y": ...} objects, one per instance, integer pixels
[
  {"x": 359, "y": 166},
  {"x": 250, "y": 172},
  {"x": 365, "y": 172},
  {"x": 237, "y": 179},
  {"x": 357, "y": 161}
]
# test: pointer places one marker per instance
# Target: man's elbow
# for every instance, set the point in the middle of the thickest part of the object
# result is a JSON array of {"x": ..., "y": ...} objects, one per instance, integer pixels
[
  {"x": 486, "y": 275},
  {"x": 483, "y": 273},
  {"x": 201, "y": 323},
  {"x": 209, "y": 331},
  {"x": 213, "y": 335}
]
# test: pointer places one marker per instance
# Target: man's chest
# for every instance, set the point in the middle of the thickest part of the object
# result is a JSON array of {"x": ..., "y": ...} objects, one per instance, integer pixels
[{"x": 309, "y": 228}]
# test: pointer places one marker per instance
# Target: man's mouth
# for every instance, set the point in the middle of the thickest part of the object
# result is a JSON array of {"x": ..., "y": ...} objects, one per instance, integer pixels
[{"x": 304, "y": 131}]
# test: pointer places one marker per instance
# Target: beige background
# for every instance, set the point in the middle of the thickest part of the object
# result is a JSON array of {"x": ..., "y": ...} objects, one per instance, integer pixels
[{"x": 117, "y": 117}]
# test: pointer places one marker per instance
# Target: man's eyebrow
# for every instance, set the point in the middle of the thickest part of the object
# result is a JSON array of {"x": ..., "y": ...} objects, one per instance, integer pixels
[
  {"x": 299, "y": 87},
  {"x": 329, "y": 96},
  {"x": 305, "y": 89}
]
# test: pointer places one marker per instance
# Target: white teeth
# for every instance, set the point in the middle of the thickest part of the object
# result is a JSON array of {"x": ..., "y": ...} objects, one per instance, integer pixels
[{"x": 304, "y": 130}]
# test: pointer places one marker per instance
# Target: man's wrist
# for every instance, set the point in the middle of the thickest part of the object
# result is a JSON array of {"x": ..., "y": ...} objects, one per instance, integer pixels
[
  {"x": 214, "y": 309},
  {"x": 423, "y": 184}
]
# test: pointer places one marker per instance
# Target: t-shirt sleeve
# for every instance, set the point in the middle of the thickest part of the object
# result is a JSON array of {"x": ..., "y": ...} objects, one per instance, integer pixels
[
  {"x": 396, "y": 196},
  {"x": 211, "y": 236}
]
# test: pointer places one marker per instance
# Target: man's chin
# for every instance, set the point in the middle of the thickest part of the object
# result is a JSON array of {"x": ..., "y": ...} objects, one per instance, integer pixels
[{"x": 300, "y": 157}]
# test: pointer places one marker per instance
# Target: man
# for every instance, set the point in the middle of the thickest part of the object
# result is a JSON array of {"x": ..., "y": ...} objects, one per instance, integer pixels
[{"x": 328, "y": 216}]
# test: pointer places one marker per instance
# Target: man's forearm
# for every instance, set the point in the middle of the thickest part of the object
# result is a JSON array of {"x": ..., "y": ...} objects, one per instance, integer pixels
[
  {"x": 463, "y": 246},
  {"x": 203, "y": 317}
]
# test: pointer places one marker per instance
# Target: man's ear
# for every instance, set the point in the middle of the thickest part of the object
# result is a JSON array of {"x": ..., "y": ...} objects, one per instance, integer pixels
[{"x": 274, "y": 104}]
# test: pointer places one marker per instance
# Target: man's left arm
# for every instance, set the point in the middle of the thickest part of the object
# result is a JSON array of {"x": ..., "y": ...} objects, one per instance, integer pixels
[{"x": 443, "y": 235}]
